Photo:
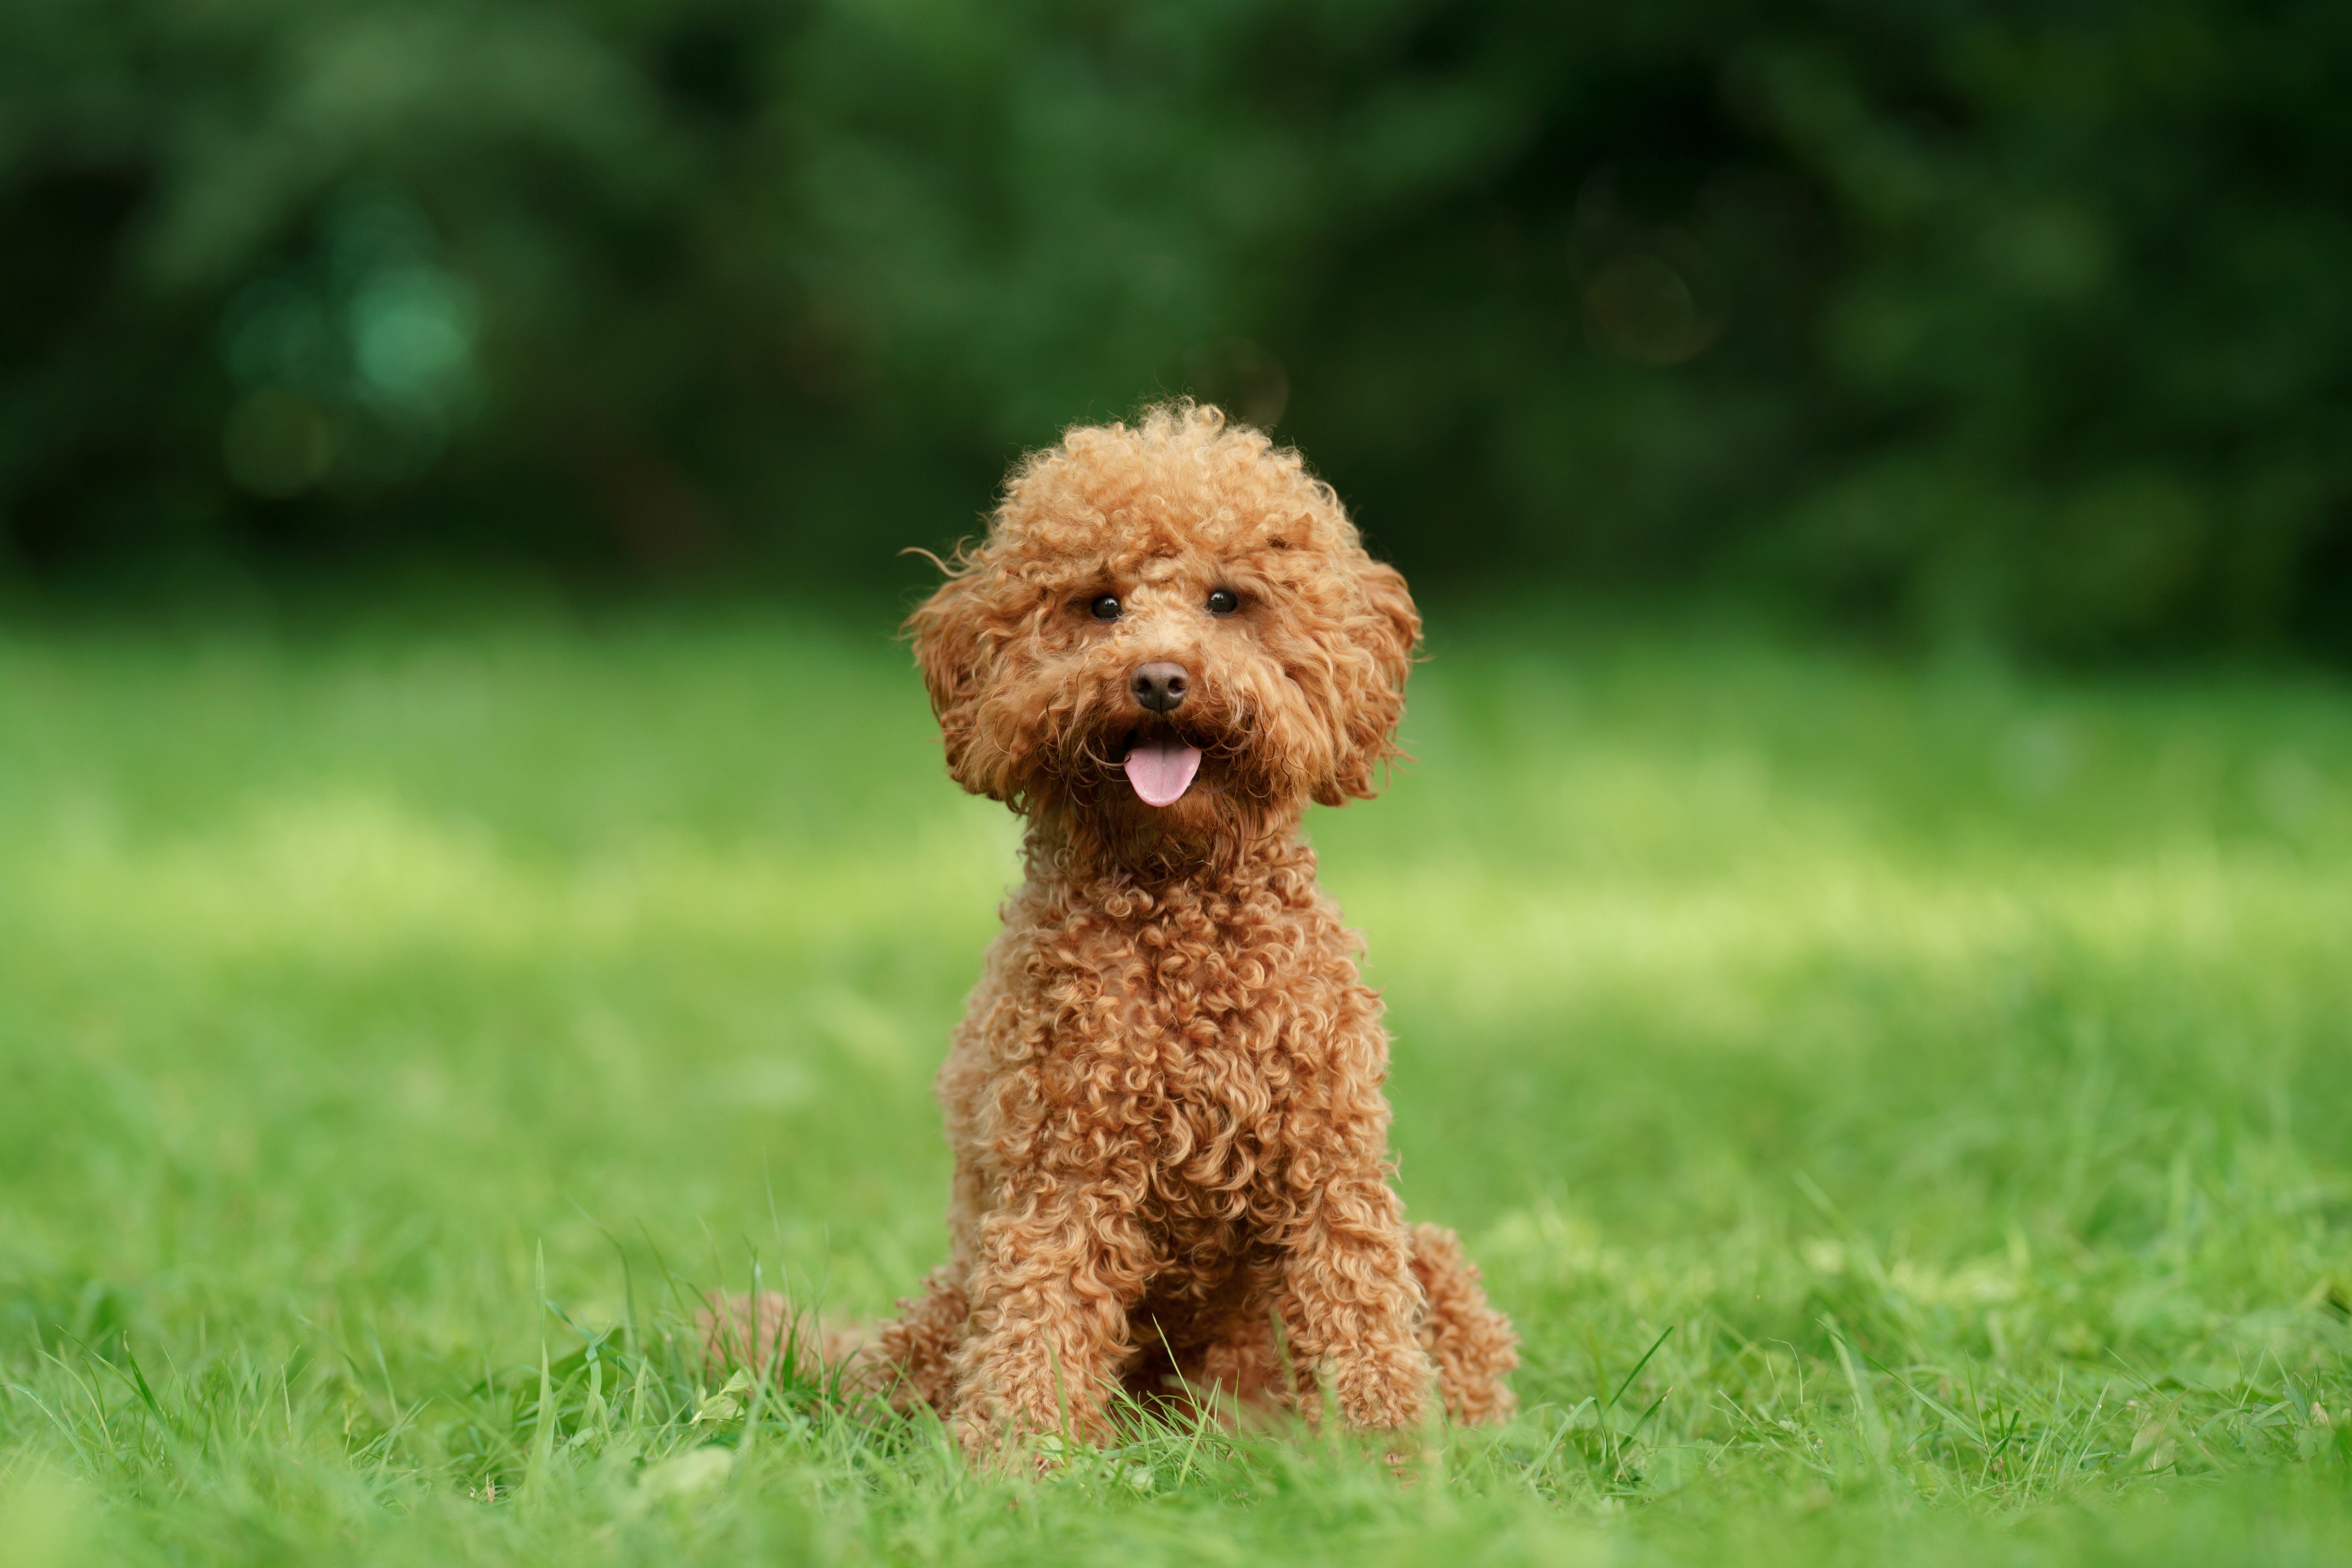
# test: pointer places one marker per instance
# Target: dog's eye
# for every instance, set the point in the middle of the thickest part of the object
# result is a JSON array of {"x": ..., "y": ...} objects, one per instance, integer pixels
[
  {"x": 1223, "y": 602},
  {"x": 1105, "y": 608}
]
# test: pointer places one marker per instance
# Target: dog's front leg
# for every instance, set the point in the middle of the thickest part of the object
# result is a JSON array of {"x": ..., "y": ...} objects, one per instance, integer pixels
[
  {"x": 1349, "y": 1303},
  {"x": 1059, "y": 1267}
]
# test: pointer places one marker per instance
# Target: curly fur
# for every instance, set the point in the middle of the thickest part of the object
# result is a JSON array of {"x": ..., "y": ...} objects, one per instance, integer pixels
[{"x": 1164, "y": 1100}]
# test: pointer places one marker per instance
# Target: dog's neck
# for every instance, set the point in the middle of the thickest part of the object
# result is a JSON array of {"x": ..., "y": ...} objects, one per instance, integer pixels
[{"x": 1064, "y": 845}]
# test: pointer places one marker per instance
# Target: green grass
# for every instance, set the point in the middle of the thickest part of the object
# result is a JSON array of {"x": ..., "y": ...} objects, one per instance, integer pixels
[{"x": 1943, "y": 1078}]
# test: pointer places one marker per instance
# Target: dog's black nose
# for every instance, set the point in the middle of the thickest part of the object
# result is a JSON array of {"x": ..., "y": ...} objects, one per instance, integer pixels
[{"x": 1161, "y": 686}]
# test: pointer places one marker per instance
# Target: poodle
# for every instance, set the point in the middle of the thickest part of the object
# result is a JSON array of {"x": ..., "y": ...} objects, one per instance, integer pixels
[{"x": 1164, "y": 1100}]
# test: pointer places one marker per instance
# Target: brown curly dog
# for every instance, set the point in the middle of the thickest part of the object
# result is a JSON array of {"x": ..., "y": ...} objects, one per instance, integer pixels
[{"x": 1172, "y": 1162}]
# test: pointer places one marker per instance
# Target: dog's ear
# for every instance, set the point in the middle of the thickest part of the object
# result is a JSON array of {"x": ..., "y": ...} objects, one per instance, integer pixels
[
  {"x": 952, "y": 644},
  {"x": 1383, "y": 628},
  {"x": 1393, "y": 628}
]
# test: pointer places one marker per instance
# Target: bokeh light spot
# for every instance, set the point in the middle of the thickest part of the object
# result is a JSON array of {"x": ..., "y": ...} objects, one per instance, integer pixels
[
  {"x": 1641, "y": 307},
  {"x": 413, "y": 336}
]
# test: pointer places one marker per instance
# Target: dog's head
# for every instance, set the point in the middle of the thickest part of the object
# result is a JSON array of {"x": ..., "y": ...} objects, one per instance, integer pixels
[{"x": 1171, "y": 636}]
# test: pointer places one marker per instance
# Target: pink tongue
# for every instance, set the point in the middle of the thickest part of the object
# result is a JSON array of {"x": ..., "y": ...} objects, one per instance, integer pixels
[{"x": 1161, "y": 771}]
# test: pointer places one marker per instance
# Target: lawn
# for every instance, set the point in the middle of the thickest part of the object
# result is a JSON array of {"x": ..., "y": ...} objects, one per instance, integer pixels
[{"x": 1907, "y": 1107}]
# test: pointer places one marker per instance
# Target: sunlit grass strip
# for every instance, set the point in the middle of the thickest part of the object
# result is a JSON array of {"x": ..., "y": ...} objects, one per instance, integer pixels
[{"x": 347, "y": 876}]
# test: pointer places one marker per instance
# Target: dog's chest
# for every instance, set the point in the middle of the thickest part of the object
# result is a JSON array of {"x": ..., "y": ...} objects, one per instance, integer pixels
[{"x": 1190, "y": 1032}]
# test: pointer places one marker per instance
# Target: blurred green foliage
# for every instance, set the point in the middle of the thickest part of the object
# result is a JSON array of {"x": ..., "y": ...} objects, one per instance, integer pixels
[{"x": 1994, "y": 319}]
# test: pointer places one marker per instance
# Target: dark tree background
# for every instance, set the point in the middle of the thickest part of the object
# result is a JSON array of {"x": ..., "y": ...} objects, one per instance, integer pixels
[{"x": 2027, "y": 320}]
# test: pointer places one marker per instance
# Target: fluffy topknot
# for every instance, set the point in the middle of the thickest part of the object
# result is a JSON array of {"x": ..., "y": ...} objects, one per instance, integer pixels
[{"x": 1181, "y": 475}]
